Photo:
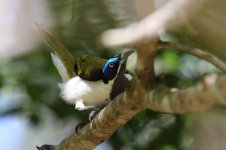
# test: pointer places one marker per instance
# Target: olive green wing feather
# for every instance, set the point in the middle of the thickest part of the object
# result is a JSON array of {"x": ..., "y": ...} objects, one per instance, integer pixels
[
  {"x": 90, "y": 67},
  {"x": 60, "y": 51}
]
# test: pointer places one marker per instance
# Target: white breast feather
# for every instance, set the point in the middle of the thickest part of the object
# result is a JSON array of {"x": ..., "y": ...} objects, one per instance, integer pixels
[{"x": 85, "y": 94}]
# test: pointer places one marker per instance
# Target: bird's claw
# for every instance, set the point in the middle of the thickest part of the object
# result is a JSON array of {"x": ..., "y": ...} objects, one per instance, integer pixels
[
  {"x": 93, "y": 114},
  {"x": 46, "y": 147},
  {"x": 81, "y": 125}
]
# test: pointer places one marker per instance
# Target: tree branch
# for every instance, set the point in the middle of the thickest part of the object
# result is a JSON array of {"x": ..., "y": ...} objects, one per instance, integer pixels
[
  {"x": 210, "y": 91},
  {"x": 195, "y": 52},
  {"x": 145, "y": 64},
  {"x": 113, "y": 116}
]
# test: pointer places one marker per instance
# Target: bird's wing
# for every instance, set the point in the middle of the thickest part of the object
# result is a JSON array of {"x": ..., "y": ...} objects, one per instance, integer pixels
[
  {"x": 67, "y": 60},
  {"x": 90, "y": 68}
]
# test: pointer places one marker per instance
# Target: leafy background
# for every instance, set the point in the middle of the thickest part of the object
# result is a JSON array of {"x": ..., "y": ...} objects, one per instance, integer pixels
[{"x": 31, "y": 112}]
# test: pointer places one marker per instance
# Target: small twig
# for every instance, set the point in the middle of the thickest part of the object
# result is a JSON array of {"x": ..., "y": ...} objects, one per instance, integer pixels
[{"x": 195, "y": 52}]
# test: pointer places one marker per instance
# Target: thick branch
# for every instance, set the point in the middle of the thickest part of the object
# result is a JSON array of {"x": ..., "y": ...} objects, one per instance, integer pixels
[
  {"x": 115, "y": 115},
  {"x": 195, "y": 99},
  {"x": 195, "y": 52}
]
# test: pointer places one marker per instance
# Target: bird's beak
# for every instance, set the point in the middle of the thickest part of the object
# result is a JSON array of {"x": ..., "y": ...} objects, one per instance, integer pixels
[{"x": 124, "y": 56}]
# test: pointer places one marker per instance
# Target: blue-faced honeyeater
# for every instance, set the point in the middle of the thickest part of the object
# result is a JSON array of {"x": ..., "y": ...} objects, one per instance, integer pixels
[{"x": 87, "y": 81}]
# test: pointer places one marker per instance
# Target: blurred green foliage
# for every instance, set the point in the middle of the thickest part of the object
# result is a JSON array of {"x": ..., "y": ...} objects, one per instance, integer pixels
[{"x": 78, "y": 25}]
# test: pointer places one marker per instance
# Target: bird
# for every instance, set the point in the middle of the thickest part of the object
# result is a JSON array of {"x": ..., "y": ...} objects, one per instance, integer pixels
[
  {"x": 88, "y": 82},
  {"x": 86, "y": 94}
]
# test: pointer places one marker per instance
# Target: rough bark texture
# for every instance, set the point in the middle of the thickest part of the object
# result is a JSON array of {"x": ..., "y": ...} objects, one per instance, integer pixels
[
  {"x": 210, "y": 91},
  {"x": 115, "y": 115}
]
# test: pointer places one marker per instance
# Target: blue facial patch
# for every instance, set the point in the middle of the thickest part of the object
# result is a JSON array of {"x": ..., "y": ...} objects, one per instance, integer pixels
[{"x": 110, "y": 67}]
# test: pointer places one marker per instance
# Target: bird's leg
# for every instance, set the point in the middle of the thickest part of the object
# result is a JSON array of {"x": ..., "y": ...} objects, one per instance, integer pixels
[{"x": 93, "y": 114}]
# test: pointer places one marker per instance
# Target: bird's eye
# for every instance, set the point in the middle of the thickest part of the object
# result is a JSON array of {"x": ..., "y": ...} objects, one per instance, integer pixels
[{"x": 111, "y": 65}]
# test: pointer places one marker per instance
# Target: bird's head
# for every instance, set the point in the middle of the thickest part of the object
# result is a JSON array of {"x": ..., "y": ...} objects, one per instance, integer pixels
[{"x": 114, "y": 66}]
